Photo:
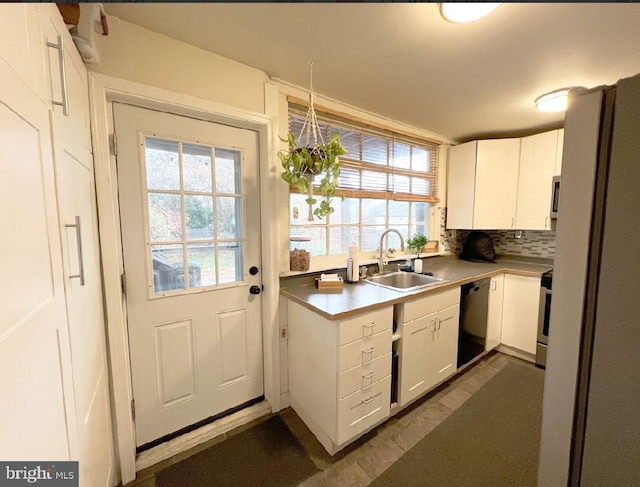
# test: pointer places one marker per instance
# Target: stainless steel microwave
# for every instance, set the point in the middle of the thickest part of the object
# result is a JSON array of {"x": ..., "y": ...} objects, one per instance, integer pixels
[{"x": 555, "y": 196}]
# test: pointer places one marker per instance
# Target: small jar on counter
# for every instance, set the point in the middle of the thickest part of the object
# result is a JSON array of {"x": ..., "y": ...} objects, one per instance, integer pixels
[{"x": 299, "y": 253}]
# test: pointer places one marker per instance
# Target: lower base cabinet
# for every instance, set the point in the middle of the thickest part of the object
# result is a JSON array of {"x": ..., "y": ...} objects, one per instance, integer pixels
[
  {"x": 520, "y": 311},
  {"x": 340, "y": 372},
  {"x": 428, "y": 346}
]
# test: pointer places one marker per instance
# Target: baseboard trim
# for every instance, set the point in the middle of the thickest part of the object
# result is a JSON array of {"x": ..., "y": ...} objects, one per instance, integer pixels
[
  {"x": 205, "y": 433},
  {"x": 514, "y": 352}
]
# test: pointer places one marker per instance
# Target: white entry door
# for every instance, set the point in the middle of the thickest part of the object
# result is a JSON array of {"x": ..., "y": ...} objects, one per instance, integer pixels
[{"x": 190, "y": 216}]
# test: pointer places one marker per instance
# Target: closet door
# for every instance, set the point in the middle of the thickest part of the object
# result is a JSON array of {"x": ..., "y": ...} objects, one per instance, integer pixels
[
  {"x": 34, "y": 352},
  {"x": 75, "y": 190}
]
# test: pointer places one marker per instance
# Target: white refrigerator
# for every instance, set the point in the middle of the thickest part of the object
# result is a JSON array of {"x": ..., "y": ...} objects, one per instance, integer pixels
[{"x": 591, "y": 407}]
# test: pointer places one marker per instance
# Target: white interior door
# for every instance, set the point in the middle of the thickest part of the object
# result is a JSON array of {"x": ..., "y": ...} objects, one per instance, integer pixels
[{"x": 189, "y": 200}]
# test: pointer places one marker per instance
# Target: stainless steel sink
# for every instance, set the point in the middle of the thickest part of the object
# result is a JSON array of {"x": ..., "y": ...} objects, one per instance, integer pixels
[{"x": 404, "y": 281}]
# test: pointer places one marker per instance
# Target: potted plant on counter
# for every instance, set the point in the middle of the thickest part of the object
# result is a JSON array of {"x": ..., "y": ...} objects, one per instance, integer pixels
[{"x": 416, "y": 242}]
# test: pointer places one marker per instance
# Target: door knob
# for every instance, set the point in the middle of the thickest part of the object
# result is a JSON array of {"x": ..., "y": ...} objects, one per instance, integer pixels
[
  {"x": 253, "y": 270},
  {"x": 254, "y": 289}
]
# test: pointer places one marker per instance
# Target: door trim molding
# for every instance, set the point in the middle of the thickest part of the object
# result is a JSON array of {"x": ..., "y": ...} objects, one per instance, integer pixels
[{"x": 103, "y": 90}]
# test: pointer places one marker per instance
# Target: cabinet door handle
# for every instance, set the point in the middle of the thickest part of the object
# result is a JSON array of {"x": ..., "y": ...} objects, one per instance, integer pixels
[
  {"x": 546, "y": 219},
  {"x": 494, "y": 285},
  {"x": 77, "y": 226},
  {"x": 63, "y": 76},
  {"x": 371, "y": 350},
  {"x": 513, "y": 221},
  {"x": 369, "y": 375},
  {"x": 433, "y": 327},
  {"x": 367, "y": 401}
]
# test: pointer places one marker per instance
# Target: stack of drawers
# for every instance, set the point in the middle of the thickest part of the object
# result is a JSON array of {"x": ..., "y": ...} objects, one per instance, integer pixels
[{"x": 364, "y": 372}]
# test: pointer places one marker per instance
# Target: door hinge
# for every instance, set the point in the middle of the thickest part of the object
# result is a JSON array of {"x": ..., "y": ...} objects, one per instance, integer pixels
[
  {"x": 113, "y": 143},
  {"x": 133, "y": 409},
  {"x": 123, "y": 283}
]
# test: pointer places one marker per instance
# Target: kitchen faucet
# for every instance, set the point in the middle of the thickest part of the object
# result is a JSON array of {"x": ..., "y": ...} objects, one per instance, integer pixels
[{"x": 381, "y": 255}]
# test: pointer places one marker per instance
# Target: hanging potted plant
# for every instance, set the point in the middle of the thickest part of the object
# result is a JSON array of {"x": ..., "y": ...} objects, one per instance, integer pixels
[{"x": 303, "y": 162}]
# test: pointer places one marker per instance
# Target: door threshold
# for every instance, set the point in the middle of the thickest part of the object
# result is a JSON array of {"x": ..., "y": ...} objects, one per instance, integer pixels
[{"x": 205, "y": 433}]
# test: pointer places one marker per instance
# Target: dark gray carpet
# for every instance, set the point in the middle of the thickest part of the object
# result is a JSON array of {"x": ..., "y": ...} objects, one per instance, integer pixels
[
  {"x": 492, "y": 440},
  {"x": 265, "y": 455}
]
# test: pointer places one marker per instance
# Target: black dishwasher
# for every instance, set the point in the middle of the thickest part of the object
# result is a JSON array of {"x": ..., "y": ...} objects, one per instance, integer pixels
[{"x": 474, "y": 307}]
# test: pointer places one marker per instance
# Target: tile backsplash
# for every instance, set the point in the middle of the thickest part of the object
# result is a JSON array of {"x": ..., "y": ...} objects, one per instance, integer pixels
[{"x": 534, "y": 243}]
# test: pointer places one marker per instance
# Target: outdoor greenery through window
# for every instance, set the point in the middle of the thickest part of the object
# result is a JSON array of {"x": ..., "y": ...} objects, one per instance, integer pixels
[
  {"x": 387, "y": 181},
  {"x": 194, "y": 201}
]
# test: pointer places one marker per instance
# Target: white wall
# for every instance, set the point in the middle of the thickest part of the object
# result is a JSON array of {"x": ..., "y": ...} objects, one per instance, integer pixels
[{"x": 138, "y": 54}]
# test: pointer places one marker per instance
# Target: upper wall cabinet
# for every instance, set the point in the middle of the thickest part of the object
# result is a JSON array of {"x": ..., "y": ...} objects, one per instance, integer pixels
[
  {"x": 483, "y": 184},
  {"x": 503, "y": 183},
  {"x": 496, "y": 184},
  {"x": 537, "y": 167}
]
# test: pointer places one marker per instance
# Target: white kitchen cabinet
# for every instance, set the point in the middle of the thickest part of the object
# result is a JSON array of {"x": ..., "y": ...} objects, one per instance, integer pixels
[
  {"x": 538, "y": 155},
  {"x": 461, "y": 180},
  {"x": 414, "y": 357},
  {"x": 520, "y": 312},
  {"x": 340, "y": 372},
  {"x": 428, "y": 342},
  {"x": 496, "y": 184},
  {"x": 494, "y": 313},
  {"x": 559, "y": 148},
  {"x": 503, "y": 183},
  {"x": 444, "y": 348},
  {"x": 483, "y": 184},
  {"x": 53, "y": 361}
]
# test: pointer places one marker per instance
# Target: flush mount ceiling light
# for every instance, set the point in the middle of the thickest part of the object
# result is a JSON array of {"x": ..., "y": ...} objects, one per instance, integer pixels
[
  {"x": 556, "y": 101},
  {"x": 460, "y": 13}
]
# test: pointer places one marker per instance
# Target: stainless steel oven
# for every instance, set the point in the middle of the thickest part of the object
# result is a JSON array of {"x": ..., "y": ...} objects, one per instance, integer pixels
[
  {"x": 543, "y": 318},
  {"x": 555, "y": 197}
]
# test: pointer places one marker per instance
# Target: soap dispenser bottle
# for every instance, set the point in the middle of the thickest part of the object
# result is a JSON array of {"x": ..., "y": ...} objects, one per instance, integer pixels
[{"x": 417, "y": 266}]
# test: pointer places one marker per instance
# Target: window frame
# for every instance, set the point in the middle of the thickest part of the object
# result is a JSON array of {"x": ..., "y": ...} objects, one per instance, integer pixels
[{"x": 388, "y": 194}]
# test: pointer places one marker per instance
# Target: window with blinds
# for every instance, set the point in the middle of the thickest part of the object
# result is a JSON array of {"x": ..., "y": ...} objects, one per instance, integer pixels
[
  {"x": 387, "y": 180},
  {"x": 379, "y": 164}
]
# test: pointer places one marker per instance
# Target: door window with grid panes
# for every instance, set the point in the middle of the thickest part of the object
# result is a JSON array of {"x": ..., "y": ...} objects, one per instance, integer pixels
[{"x": 194, "y": 208}]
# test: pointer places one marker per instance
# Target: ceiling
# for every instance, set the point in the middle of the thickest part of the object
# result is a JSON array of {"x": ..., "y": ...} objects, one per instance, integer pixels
[{"x": 404, "y": 62}]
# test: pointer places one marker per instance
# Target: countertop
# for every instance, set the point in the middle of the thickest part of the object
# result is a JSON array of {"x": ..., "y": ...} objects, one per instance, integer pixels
[{"x": 337, "y": 304}]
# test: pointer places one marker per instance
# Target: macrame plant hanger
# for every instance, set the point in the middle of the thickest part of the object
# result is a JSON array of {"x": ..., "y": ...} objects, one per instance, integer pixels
[{"x": 310, "y": 131}]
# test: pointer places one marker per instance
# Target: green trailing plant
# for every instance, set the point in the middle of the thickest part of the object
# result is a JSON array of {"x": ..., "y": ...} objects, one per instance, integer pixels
[
  {"x": 302, "y": 164},
  {"x": 416, "y": 242}
]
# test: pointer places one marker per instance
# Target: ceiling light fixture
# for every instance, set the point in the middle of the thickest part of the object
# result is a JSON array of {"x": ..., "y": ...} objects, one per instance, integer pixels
[
  {"x": 460, "y": 13},
  {"x": 556, "y": 101}
]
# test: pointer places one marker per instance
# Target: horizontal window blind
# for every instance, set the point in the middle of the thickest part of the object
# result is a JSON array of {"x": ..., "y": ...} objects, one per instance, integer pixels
[{"x": 379, "y": 164}]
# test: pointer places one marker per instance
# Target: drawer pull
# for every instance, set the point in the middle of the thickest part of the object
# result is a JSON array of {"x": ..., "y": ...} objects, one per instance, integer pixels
[
  {"x": 367, "y": 329},
  {"x": 367, "y": 355},
  {"x": 369, "y": 375},
  {"x": 367, "y": 401}
]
